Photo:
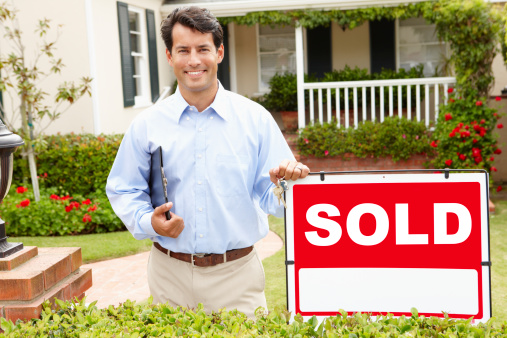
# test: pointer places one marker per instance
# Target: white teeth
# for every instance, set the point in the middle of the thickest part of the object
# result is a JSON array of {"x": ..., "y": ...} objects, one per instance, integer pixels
[{"x": 194, "y": 73}]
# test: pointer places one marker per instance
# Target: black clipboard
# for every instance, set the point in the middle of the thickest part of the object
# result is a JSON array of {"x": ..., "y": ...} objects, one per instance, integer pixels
[{"x": 158, "y": 181}]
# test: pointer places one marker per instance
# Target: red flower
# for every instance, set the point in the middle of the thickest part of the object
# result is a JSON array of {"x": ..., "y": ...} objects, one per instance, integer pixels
[
  {"x": 478, "y": 103},
  {"x": 75, "y": 204},
  {"x": 476, "y": 152},
  {"x": 451, "y": 100},
  {"x": 452, "y": 134},
  {"x": 21, "y": 190},
  {"x": 433, "y": 144},
  {"x": 68, "y": 208},
  {"x": 87, "y": 201},
  {"x": 306, "y": 141},
  {"x": 63, "y": 198},
  {"x": 477, "y": 127},
  {"x": 493, "y": 169},
  {"x": 90, "y": 209},
  {"x": 448, "y": 163},
  {"x": 482, "y": 132},
  {"x": 24, "y": 203},
  {"x": 498, "y": 151},
  {"x": 498, "y": 98},
  {"x": 448, "y": 117},
  {"x": 483, "y": 121},
  {"x": 459, "y": 125},
  {"x": 499, "y": 188},
  {"x": 87, "y": 218},
  {"x": 465, "y": 133},
  {"x": 499, "y": 126},
  {"x": 326, "y": 152},
  {"x": 475, "y": 140},
  {"x": 450, "y": 90},
  {"x": 462, "y": 157},
  {"x": 478, "y": 159},
  {"x": 491, "y": 158},
  {"x": 54, "y": 197}
]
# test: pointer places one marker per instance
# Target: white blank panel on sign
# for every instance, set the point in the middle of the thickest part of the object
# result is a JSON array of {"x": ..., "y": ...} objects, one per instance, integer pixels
[{"x": 389, "y": 290}]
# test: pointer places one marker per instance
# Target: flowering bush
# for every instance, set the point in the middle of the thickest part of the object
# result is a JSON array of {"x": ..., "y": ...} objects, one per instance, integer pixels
[
  {"x": 56, "y": 215},
  {"x": 396, "y": 137},
  {"x": 463, "y": 136},
  {"x": 71, "y": 163}
]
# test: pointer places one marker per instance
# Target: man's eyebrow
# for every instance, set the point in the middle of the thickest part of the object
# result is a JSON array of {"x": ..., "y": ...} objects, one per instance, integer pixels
[{"x": 199, "y": 46}]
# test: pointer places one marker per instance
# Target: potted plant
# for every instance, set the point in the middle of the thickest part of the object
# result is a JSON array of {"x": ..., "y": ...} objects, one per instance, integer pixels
[{"x": 283, "y": 98}]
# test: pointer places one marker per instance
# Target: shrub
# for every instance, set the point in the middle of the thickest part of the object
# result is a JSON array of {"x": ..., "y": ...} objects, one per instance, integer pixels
[
  {"x": 57, "y": 215},
  {"x": 71, "y": 163},
  {"x": 132, "y": 320},
  {"x": 396, "y": 137},
  {"x": 464, "y": 136}
]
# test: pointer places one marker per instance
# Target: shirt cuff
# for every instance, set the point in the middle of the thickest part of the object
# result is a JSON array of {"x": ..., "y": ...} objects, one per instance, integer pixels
[{"x": 145, "y": 225}]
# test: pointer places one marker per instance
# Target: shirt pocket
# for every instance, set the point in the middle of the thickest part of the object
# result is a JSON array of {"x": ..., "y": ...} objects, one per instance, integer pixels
[{"x": 231, "y": 175}]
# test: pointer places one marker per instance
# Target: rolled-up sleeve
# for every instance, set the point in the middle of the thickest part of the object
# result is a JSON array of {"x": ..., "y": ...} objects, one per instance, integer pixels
[
  {"x": 128, "y": 183},
  {"x": 273, "y": 149}
]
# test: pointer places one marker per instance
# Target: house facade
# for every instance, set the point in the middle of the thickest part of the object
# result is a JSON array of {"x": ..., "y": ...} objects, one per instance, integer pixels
[{"x": 117, "y": 43}]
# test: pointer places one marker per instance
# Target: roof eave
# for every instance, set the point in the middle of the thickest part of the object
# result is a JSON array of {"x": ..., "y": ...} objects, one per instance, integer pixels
[{"x": 242, "y": 7}]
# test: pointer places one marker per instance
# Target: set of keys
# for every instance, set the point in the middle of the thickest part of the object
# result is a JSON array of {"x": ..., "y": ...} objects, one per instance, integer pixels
[{"x": 279, "y": 190}]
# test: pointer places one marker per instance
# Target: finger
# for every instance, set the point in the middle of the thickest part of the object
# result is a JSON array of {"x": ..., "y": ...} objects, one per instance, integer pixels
[
  {"x": 305, "y": 171},
  {"x": 291, "y": 172},
  {"x": 163, "y": 208},
  {"x": 273, "y": 175},
  {"x": 283, "y": 168}
]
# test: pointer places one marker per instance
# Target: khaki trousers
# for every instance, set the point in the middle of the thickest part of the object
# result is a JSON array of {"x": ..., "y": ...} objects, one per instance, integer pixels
[{"x": 232, "y": 285}]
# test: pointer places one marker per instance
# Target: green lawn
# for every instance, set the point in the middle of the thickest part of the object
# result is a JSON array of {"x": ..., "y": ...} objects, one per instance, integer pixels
[
  {"x": 94, "y": 247},
  {"x": 98, "y": 247}
]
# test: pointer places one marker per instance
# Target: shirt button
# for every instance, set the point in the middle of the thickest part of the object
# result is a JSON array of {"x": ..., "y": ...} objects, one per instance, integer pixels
[
  {"x": 200, "y": 209},
  {"x": 200, "y": 129},
  {"x": 199, "y": 182},
  {"x": 188, "y": 118},
  {"x": 199, "y": 156},
  {"x": 211, "y": 117},
  {"x": 201, "y": 236}
]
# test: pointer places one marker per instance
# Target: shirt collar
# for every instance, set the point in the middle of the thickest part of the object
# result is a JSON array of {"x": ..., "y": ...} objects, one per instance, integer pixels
[{"x": 219, "y": 104}]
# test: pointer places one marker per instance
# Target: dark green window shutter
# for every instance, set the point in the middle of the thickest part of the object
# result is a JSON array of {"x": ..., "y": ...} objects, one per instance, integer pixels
[
  {"x": 127, "y": 64},
  {"x": 152, "y": 54}
]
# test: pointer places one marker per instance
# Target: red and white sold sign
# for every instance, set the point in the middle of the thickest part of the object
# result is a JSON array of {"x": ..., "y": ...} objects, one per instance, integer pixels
[{"x": 386, "y": 243}]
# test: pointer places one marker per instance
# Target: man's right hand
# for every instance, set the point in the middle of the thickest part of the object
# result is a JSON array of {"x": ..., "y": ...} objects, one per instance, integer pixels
[{"x": 162, "y": 226}]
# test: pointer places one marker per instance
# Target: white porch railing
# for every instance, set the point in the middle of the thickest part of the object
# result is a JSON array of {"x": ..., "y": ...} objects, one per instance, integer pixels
[{"x": 355, "y": 101}]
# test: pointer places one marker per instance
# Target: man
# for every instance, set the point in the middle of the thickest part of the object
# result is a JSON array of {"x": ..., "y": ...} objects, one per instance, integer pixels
[{"x": 222, "y": 154}]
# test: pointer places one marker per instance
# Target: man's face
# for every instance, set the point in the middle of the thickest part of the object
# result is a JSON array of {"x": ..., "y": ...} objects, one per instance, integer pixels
[{"x": 195, "y": 60}]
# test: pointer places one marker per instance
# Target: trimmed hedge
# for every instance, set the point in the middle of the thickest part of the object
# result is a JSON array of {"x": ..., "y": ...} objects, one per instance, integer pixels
[
  {"x": 75, "y": 319},
  {"x": 396, "y": 137},
  {"x": 71, "y": 163}
]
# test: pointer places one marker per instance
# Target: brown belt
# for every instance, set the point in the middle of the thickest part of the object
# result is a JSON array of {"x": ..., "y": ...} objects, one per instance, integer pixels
[{"x": 206, "y": 259}]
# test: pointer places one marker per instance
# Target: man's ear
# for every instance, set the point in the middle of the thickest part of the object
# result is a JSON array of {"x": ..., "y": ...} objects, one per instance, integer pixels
[
  {"x": 221, "y": 53},
  {"x": 169, "y": 57}
]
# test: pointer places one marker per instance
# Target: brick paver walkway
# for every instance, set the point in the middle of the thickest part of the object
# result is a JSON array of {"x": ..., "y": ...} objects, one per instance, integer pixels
[{"x": 116, "y": 280}]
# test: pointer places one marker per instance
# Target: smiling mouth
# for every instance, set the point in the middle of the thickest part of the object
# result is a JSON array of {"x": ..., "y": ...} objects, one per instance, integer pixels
[{"x": 196, "y": 73}]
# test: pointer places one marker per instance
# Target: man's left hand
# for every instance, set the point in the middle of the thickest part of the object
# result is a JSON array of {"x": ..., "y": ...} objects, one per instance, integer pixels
[{"x": 290, "y": 170}]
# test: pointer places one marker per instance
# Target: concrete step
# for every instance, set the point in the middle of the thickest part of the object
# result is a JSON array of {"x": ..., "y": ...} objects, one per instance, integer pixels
[
  {"x": 74, "y": 285},
  {"x": 32, "y": 278}
]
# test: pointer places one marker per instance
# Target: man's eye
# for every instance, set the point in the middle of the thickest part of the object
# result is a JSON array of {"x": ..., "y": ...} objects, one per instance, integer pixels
[{"x": 183, "y": 51}]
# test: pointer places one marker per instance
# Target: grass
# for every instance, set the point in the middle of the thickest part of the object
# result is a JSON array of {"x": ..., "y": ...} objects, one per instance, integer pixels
[
  {"x": 498, "y": 249},
  {"x": 94, "y": 247},
  {"x": 97, "y": 247}
]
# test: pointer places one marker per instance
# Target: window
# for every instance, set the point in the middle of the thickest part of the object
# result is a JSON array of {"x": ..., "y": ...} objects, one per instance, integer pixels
[
  {"x": 418, "y": 44},
  {"x": 276, "y": 53},
  {"x": 138, "y": 55}
]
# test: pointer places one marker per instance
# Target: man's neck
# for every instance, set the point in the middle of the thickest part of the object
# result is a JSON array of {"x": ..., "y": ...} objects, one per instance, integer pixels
[{"x": 201, "y": 99}]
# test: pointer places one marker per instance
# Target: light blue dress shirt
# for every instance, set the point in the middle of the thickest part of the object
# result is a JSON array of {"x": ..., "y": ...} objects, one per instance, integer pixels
[{"x": 217, "y": 165}]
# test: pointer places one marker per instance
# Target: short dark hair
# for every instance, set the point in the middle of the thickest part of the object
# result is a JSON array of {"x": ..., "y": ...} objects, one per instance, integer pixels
[{"x": 193, "y": 17}]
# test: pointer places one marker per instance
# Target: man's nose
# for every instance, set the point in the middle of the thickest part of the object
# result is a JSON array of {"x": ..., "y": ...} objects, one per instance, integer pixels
[{"x": 194, "y": 59}]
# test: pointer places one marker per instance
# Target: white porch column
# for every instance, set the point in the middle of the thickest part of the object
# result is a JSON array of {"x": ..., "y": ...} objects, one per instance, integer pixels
[{"x": 300, "y": 72}]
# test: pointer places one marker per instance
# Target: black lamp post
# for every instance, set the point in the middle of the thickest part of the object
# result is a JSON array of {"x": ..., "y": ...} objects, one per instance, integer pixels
[{"x": 9, "y": 142}]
